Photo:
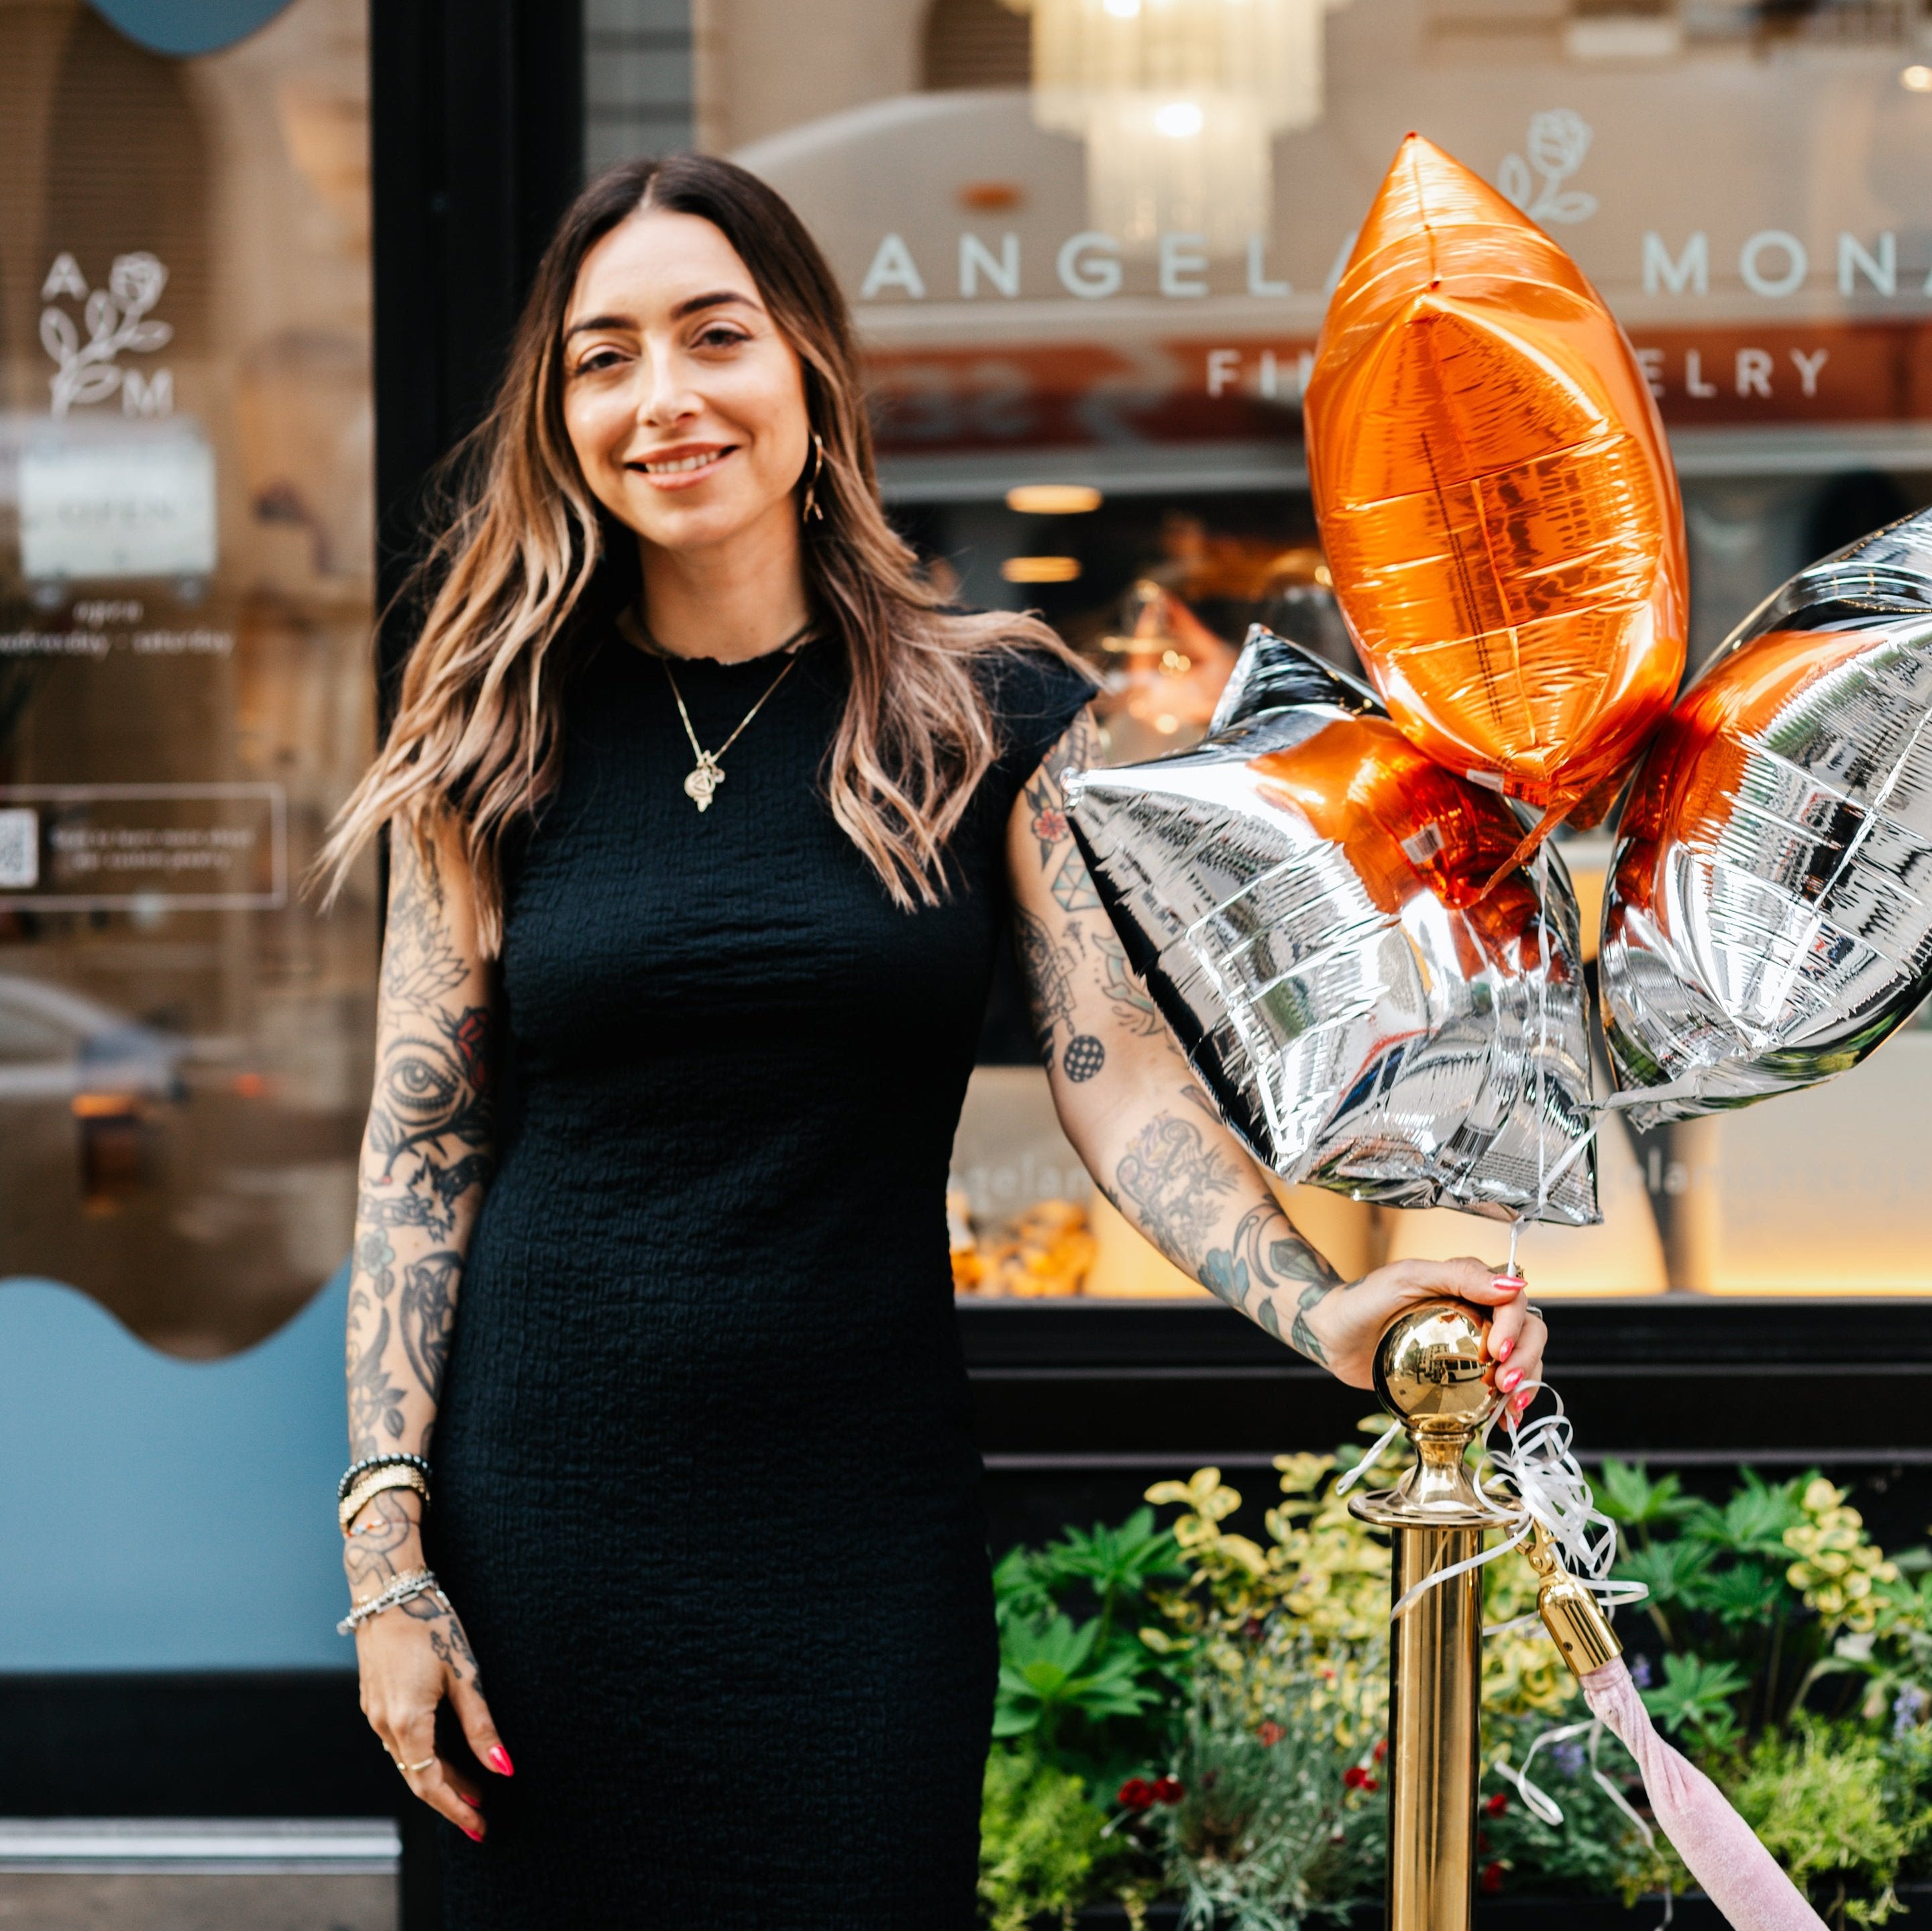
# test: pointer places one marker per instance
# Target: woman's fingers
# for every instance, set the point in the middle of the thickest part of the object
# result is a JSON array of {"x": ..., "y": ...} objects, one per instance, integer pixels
[
  {"x": 1526, "y": 1359},
  {"x": 430, "y": 1778},
  {"x": 1513, "y": 1342},
  {"x": 466, "y": 1699},
  {"x": 1506, "y": 1323}
]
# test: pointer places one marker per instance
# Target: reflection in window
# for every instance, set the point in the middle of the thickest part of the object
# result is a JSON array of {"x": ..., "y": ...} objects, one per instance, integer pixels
[{"x": 185, "y": 586}]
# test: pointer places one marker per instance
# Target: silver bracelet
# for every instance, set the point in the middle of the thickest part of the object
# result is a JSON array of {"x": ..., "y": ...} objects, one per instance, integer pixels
[{"x": 417, "y": 1582}]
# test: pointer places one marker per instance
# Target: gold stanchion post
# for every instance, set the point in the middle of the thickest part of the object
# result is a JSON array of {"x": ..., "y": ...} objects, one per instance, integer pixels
[{"x": 1429, "y": 1372}]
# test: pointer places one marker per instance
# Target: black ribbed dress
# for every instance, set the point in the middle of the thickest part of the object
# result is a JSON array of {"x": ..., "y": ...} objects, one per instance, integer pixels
[{"x": 706, "y": 1497}]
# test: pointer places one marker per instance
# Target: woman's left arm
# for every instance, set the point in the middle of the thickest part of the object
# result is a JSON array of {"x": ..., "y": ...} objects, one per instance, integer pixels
[{"x": 1157, "y": 1149}]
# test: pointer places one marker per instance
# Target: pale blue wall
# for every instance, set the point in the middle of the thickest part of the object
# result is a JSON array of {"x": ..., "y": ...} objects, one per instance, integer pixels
[
  {"x": 189, "y": 26},
  {"x": 158, "y": 1514}
]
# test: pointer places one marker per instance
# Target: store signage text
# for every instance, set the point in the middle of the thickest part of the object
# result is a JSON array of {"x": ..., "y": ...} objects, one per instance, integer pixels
[
  {"x": 1699, "y": 373},
  {"x": 124, "y": 847},
  {"x": 1771, "y": 263},
  {"x": 1088, "y": 265}
]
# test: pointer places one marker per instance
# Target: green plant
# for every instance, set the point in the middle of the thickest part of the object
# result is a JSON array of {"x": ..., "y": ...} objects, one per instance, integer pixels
[
  {"x": 1043, "y": 1847},
  {"x": 1595, "y": 1850},
  {"x": 1076, "y": 1677},
  {"x": 1841, "y": 1808},
  {"x": 1048, "y": 1670},
  {"x": 1694, "y": 1700},
  {"x": 1271, "y": 1816},
  {"x": 1836, "y": 1568}
]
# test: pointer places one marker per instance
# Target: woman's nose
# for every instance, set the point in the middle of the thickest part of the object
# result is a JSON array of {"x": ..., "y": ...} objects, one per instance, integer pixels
[{"x": 666, "y": 395}]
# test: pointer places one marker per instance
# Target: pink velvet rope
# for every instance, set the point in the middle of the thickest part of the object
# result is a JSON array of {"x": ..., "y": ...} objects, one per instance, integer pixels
[{"x": 1734, "y": 1870}]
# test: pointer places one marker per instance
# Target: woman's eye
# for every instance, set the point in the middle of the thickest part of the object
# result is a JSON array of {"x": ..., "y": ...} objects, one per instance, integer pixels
[
  {"x": 722, "y": 338},
  {"x": 597, "y": 359}
]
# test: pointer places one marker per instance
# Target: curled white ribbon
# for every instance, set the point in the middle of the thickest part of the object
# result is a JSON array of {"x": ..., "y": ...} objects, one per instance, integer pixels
[{"x": 1535, "y": 1481}]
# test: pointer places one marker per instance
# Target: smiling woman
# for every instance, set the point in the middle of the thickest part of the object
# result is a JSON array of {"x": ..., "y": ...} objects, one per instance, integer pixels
[{"x": 628, "y": 1318}]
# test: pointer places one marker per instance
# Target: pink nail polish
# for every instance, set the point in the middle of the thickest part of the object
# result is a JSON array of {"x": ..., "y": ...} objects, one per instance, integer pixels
[
  {"x": 1504, "y": 1352},
  {"x": 499, "y": 1760},
  {"x": 1509, "y": 1378},
  {"x": 475, "y": 1802},
  {"x": 475, "y": 1837},
  {"x": 1512, "y": 1282}
]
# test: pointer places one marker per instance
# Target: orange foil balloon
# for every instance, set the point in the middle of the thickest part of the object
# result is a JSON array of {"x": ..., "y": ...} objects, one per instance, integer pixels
[{"x": 1496, "y": 497}]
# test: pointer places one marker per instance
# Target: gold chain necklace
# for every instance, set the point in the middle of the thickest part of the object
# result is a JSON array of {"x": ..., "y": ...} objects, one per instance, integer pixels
[{"x": 702, "y": 781}]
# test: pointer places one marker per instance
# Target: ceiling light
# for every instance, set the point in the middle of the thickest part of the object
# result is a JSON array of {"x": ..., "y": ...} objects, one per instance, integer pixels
[
  {"x": 1178, "y": 104},
  {"x": 1053, "y": 499},
  {"x": 1916, "y": 79},
  {"x": 1040, "y": 569}
]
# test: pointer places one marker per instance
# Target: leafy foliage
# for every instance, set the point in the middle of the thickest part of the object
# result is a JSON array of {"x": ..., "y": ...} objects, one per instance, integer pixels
[
  {"x": 1199, "y": 1710},
  {"x": 1042, "y": 1845},
  {"x": 1269, "y": 1828},
  {"x": 1047, "y": 1669},
  {"x": 1694, "y": 1699},
  {"x": 1840, "y": 1808}
]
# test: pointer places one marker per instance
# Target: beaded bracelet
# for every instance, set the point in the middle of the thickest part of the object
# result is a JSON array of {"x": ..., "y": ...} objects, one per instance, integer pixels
[
  {"x": 416, "y": 1582},
  {"x": 369, "y": 1462},
  {"x": 378, "y": 1482}
]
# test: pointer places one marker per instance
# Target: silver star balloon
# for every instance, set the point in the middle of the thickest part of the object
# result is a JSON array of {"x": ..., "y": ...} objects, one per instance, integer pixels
[
  {"x": 1304, "y": 893},
  {"x": 1769, "y": 918}
]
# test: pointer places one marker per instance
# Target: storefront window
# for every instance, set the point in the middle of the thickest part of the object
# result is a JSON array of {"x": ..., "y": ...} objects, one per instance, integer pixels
[
  {"x": 1090, "y": 243},
  {"x": 185, "y": 689}
]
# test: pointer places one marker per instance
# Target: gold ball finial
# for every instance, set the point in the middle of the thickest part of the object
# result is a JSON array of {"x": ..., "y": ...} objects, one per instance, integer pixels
[{"x": 1430, "y": 1369}]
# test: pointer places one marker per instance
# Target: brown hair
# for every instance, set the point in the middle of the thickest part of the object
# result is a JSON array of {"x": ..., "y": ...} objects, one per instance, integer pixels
[{"x": 528, "y": 559}]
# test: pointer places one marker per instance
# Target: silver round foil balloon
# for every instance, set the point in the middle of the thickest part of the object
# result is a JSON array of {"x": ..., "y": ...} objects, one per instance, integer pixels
[
  {"x": 1769, "y": 918},
  {"x": 1304, "y": 893}
]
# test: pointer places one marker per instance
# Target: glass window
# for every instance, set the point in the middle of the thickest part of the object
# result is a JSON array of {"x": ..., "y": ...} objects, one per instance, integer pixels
[
  {"x": 1090, "y": 243},
  {"x": 185, "y": 696}
]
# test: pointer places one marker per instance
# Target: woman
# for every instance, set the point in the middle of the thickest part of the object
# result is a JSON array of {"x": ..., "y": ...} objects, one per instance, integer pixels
[{"x": 710, "y": 814}]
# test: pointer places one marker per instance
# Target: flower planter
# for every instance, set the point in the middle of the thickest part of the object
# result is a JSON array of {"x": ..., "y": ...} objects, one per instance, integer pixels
[{"x": 1691, "y": 1912}]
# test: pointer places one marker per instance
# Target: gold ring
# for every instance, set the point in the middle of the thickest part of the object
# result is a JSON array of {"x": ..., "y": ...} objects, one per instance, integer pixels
[{"x": 412, "y": 1769}]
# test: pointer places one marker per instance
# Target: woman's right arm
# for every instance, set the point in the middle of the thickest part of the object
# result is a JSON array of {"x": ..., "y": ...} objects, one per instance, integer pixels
[{"x": 425, "y": 1164}]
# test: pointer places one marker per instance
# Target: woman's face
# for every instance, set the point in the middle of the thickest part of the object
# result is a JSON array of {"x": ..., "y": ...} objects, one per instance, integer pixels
[{"x": 684, "y": 402}]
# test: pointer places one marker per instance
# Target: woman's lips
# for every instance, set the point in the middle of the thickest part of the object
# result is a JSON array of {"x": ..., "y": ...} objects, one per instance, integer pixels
[{"x": 683, "y": 468}]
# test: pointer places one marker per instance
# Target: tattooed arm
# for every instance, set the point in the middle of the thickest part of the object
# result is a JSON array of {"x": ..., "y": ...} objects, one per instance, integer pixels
[
  {"x": 1156, "y": 1147},
  {"x": 425, "y": 1163}
]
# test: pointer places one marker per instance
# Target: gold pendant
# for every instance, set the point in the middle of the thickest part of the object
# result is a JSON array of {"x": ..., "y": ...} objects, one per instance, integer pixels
[{"x": 702, "y": 780}]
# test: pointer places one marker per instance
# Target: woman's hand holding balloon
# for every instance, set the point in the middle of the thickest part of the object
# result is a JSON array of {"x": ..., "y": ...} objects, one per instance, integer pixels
[{"x": 1141, "y": 1123}]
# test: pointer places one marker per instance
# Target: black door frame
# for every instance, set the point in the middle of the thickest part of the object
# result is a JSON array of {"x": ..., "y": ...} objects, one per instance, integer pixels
[{"x": 476, "y": 137}]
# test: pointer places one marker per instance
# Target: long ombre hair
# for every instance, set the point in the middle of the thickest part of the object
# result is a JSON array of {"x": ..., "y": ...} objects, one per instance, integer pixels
[{"x": 528, "y": 562}]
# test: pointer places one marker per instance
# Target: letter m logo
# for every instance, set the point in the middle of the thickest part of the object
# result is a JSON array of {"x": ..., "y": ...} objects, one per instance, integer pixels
[{"x": 1689, "y": 273}]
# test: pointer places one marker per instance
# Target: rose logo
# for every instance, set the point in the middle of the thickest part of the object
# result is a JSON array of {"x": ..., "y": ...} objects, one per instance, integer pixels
[
  {"x": 117, "y": 320},
  {"x": 1559, "y": 139}
]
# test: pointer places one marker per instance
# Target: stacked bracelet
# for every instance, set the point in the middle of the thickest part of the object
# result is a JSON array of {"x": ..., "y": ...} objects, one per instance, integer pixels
[
  {"x": 370, "y": 1463},
  {"x": 377, "y": 1481},
  {"x": 416, "y": 1582}
]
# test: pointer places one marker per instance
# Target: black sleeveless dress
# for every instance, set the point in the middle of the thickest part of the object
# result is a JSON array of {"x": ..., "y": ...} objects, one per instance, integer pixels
[{"x": 706, "y": 1497}]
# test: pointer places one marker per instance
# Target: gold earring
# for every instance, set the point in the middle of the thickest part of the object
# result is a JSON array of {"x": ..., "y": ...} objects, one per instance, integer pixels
[{"x": 812, "y": 509}]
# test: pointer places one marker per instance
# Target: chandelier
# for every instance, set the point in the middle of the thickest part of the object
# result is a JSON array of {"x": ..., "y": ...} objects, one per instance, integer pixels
[{"x": 1178, "y": 102}]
